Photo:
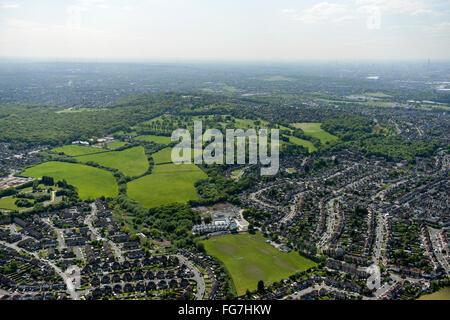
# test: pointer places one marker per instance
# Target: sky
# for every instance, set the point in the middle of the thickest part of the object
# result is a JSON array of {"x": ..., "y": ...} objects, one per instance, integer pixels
[{"x": 278, "y": 30}]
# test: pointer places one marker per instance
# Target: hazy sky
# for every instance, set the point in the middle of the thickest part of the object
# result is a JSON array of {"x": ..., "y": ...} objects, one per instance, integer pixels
[{"x": 226, "y": 29}]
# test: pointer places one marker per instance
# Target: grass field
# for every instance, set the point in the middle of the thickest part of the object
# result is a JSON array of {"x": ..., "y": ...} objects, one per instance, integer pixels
[
  {"x": 157, "y": 139},
  {"x": 301, "y": 142},
  {"x": 131, "y": 162},
  {"x": 314, "y": 130},
  {"x": 116, "y": 144},
  {"x": 248, "y": 258},
  {"x": 168, "y": 183},
  {"x": 165, "y": 156},
  {"x": 442, "y": 294},
  {"x": 91, "y": 183},
  {"x": 77, "y": 150},
  {"x": 8, "y": 203}
]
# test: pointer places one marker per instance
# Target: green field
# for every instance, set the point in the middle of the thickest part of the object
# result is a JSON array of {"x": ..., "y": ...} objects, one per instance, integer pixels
[
  {"x": 91, "y": 183},
  {"x": 156, "y": 139},
  {"x": 441, "y": 294},
  {"x": 131, "y": 162},
  {"x": 313, "y": 129},
  {"x": 301, "y": 142},
  {"x": 116, "y": 144},
  {"x": 8, "y": 203},
  {"x": 249, "y": 259},
  {"x": 77, "y": 150},
  {"x": 165, "y": 156},
  {"x": 168, "y": 183}
]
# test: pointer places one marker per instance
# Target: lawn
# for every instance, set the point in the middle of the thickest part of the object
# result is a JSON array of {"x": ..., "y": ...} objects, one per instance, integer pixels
[
  {"x": 313, "y": 129},
  {"x": 91, "y": 183},
  {"x": 131, "y": 162},
  {"x": 248, "y": 258},
  {"x": 168, "y": 183},
  {"x": 441, "y": 294},
  {"x": 8, "y": 203},
  {"x": 156, "y": 139},
  {"x": 77, "y": 150}
]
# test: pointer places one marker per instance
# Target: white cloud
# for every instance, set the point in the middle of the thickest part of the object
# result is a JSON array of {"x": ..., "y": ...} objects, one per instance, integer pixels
[
  {"x": 321, "y": 12},
  {"x": 288, "y": 11},
  {"x": 439, "y": 30},
  {"x": 10, "y": 5},
  {"x": 408, "y": 7}
]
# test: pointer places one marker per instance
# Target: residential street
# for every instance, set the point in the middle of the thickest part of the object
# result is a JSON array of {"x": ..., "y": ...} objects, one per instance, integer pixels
[{"x": 197, "y": 277}]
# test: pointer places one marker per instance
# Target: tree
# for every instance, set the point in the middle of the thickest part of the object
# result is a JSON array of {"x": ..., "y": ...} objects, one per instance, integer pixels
[
  {"x": 200, "y": 247},
  {"x": 207, "y": 219},
  {"x": 261, "y": 286},
  {"x": 48, "y": 181}
]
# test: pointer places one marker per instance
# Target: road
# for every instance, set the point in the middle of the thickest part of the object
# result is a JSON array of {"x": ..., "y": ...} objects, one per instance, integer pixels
[
  {"x": 379, "y": 238},
  {"x": 52, "y": 199},
  {"x": 331, "y": 220},
  {"x": 437, "y": 247},
  {"x": 198, "y": 277},
  {"x": 115, "y": 248},
  {"x": 253, "y": 197},
  {"x": 294, "y": 207},
  {"x": 300, "y": 293},
  {"x": 61, "y": 242}
]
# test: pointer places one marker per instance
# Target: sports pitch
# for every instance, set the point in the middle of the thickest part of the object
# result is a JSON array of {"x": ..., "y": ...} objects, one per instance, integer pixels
[
  {"x": 248, "y": 258},
  {"x": 91, "y": 183}
]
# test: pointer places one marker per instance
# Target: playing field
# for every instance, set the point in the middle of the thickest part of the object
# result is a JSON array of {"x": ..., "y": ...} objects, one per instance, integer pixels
[
  {"x": 156, "y": 139},
  {"x": 91, "y": 183},
  {"x": 168, "y": 183},
  {"x": 8, "y": 203},
  {"x": 131, "y": 162},
  {"x": 248, "y": 258},
  {"x": 77, "y": 150},
  {"x": 313, "y": 129}
]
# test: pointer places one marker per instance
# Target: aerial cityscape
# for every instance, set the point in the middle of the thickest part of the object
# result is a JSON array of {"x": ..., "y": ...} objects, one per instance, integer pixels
[{"x": 93, "y": 205}]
